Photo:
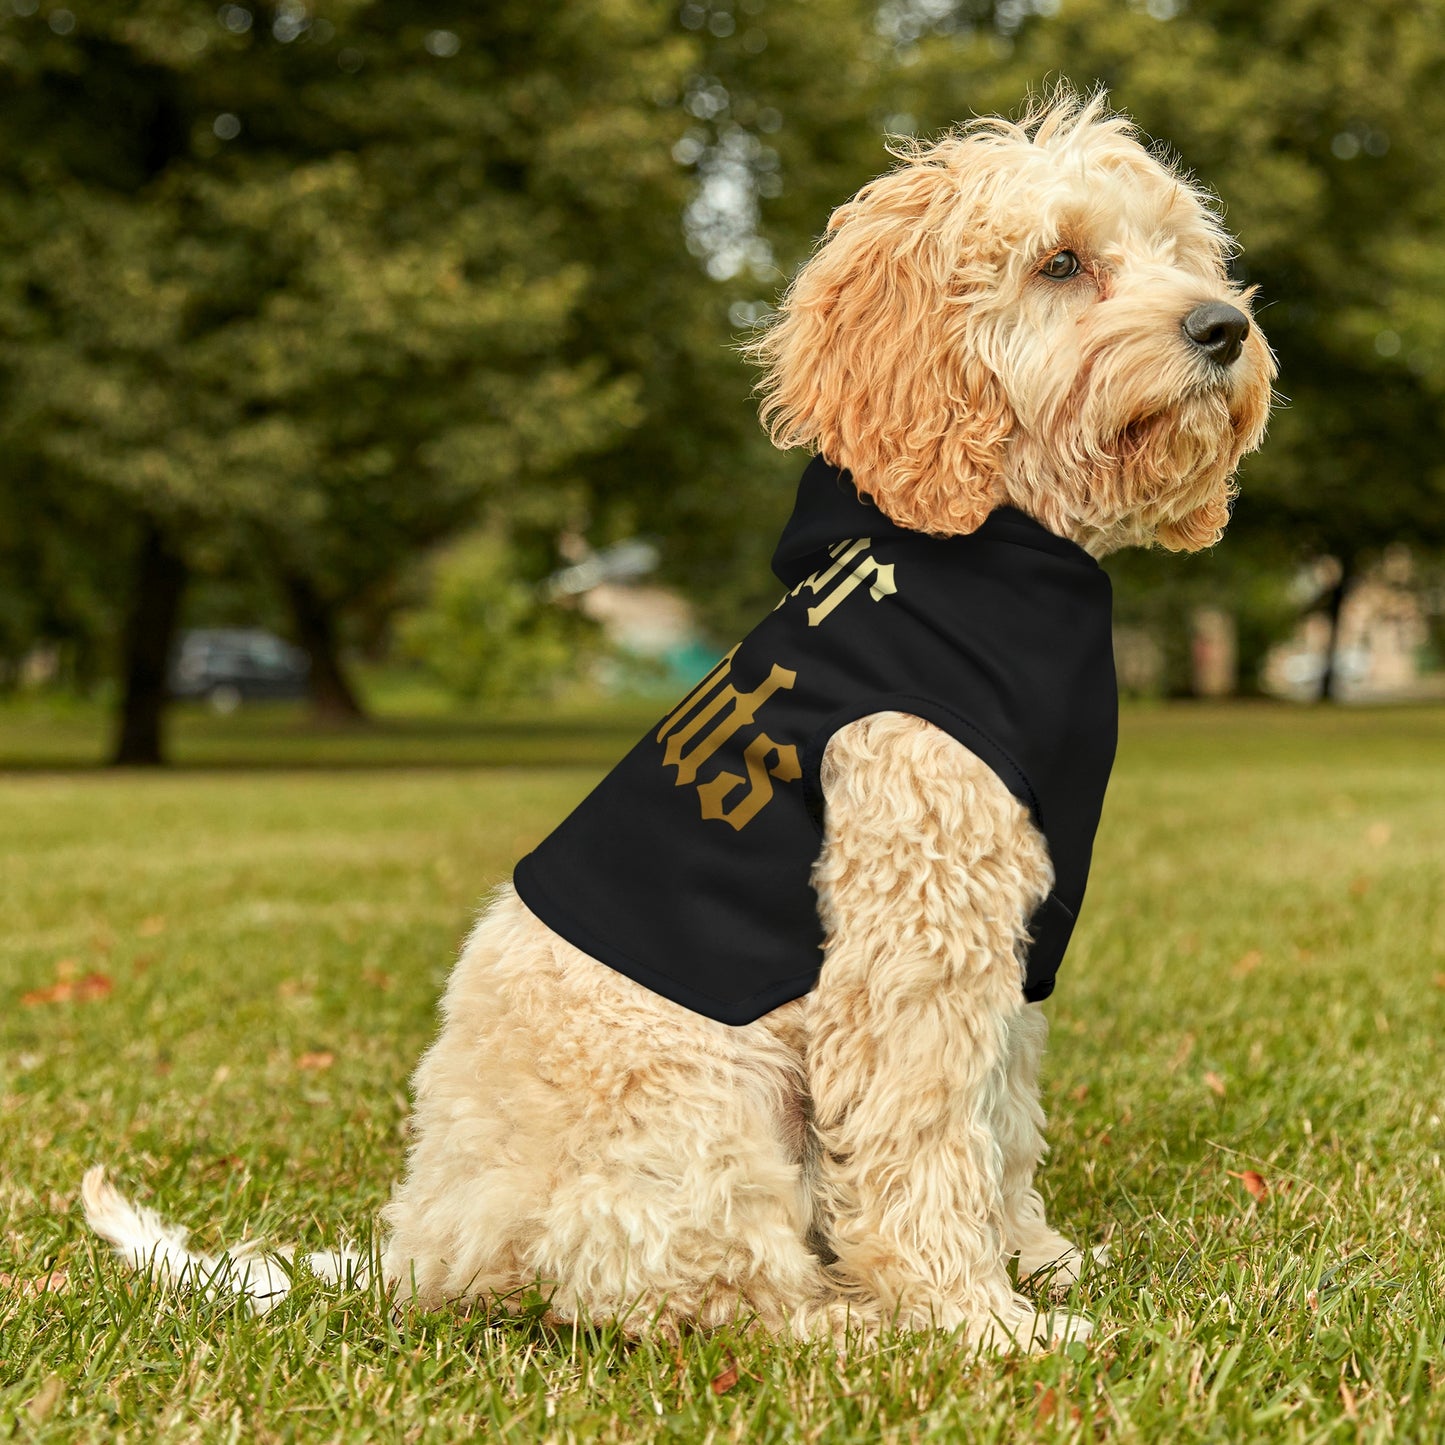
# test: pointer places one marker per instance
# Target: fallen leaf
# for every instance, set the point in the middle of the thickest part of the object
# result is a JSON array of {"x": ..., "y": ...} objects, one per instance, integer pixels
[
  {"x": 151, "y": 927},
  {"x": 56, "y": 1282},
  {"x": 56, "y": 993},
  {"x": 724, "y": 1382},
  {"x": 320, "y": 1059},
  {"x": 1181, "y": 1054},
  {"x": 1047, "y": 1408},
  {"x": 1214, "y": 1083},
  {"x": 1248, "y": 963},
  {"x": 1254, "y": 1183},
  {"x": 92, "y": 986}
]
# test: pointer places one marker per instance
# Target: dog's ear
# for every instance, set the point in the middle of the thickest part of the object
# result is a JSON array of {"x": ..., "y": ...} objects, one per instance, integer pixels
[{"x": 874, "y": 359}]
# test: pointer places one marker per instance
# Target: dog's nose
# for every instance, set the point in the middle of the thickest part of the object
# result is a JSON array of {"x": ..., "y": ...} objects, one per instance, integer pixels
[{"x": 1218, "y": 331}]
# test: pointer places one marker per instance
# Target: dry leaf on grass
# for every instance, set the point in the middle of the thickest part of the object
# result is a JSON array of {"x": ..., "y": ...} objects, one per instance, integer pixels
[
  {"x": 1181, "y": 1054},
  {"x": 1046, "y": 1408},
  {"x": 1214, "y": 1083},
  {"x": 1254, "y": 1183},
  {"x": 724, "y": 1382},
  {"x": 56, "y": 1282},
  {"x": 80, "y": 990},
  {"x": 320, "y": 1059},
  {"x": 1248, "y": 963}
]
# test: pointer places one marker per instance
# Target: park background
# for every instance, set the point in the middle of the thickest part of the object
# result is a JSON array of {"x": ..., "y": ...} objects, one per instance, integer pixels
[
  {"x": 361, "y": 323},
  {"x": 408, "y": 333}
]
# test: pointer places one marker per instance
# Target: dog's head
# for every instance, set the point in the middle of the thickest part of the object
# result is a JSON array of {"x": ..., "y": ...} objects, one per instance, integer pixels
[{"x": 1034, "y": 313}]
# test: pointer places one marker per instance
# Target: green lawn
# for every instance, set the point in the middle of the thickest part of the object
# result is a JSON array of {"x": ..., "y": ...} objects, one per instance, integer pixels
[{"x": 230, "y": 970}]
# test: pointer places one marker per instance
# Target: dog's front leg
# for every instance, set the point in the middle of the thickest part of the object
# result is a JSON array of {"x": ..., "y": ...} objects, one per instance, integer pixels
[
  {"x": 1042, "y": 1251},
  {"x": 928, "y": 872}
]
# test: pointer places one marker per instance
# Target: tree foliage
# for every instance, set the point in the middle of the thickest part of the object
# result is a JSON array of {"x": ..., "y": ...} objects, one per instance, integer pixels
[
  {"x": 485, "y": 631},
  {"x": 312, "y": 286},
  {"x": 300, "y": 290}
]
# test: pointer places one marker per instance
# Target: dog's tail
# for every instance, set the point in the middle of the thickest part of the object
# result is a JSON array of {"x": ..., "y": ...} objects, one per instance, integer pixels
[{"x": 147, "y": 1243}]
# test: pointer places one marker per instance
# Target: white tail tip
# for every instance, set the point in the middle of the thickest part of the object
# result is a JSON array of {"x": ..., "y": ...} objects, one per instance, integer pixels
[{"x": 147, "y": 1243}]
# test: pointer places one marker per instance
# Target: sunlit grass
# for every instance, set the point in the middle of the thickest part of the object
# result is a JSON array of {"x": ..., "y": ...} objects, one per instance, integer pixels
[{"x": 1258, "y": 985}]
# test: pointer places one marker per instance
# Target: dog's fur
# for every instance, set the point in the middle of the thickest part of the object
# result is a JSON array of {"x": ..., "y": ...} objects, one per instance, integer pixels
[{"x": 865, "y": 1155}]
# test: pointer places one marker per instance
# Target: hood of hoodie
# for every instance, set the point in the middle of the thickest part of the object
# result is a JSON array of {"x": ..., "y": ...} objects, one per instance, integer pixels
[{"x": 829, "y": 509}]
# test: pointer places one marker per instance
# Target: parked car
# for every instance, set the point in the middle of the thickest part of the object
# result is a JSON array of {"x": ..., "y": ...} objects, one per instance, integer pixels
[{"x": 230, "y": 665}]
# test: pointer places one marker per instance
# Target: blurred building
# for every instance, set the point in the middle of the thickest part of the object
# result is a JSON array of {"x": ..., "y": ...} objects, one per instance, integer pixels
[
  {"x": 656, "y": 643},
  {"x": 1382, "y": 651}
]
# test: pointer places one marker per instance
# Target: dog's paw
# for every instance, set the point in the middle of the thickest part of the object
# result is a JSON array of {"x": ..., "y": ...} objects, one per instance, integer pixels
[
  {"x": 1025, "y": 1327},
  {"x": 1057, "y": 1268},
  {"x": 1059, "y": 1327}
]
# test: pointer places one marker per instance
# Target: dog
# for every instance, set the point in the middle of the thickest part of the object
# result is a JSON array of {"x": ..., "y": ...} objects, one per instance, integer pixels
[{"x": 1024, "y": 333}]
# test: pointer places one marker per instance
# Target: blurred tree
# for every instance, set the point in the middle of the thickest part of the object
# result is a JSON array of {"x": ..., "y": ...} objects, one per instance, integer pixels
[
  {"x": 780, "y": 113},
  {"x": 484, "y": 631},
  {"x": 323, "y": 284},
  {"x": 301, "y": 282}
]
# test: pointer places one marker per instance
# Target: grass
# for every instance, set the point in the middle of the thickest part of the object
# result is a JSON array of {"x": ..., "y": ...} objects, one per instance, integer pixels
[{"x": 230, "y": 971}]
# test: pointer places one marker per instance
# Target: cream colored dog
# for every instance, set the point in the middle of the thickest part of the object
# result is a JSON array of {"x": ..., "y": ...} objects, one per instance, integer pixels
[{"x": 1010, "y": 316}]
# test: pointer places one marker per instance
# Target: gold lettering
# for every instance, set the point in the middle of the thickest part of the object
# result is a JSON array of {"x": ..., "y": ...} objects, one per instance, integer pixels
[
  {"x": 843, "y": 553},
  {"x": 695, "y": 696},
  {"x": 784, "y": 767},
  {"x": 744, "y": 709},
  {"x": 883, "y": 586}
]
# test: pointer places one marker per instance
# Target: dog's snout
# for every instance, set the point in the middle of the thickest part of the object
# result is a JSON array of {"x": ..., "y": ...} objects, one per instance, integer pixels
[{"x": 1218, "y": 331}]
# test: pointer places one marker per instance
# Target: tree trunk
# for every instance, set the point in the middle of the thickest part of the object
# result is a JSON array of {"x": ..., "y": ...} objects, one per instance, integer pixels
[
  {"x": 333, "y": 699},
  {"x": 1329, "y": 678},
  {"x": 150, "y": 631}
]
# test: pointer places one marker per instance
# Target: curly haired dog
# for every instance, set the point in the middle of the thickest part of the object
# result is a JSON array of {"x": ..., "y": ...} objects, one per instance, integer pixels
[{"x": 1031, "y": 315}]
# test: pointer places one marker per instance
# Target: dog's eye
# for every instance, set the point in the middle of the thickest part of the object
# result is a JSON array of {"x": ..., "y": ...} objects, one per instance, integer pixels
[{"x": 1060, "y": 266}]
